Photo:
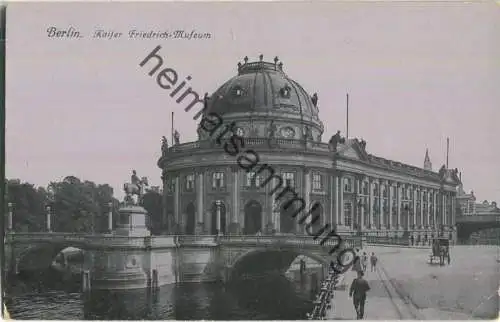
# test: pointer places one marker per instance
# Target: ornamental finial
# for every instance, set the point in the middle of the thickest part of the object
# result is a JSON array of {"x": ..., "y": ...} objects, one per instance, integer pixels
[
  {"x": 245, "y": 59},
  {"x": 261, "y": 57},
  {"x": 276, "y": 59}
]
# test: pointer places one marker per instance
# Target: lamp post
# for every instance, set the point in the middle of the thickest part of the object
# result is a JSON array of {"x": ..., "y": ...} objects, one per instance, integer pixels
[
  {"x": 9, "y": 205},
  {"x": 48, "y": 210},
  {"x": 110, "y": 217}
]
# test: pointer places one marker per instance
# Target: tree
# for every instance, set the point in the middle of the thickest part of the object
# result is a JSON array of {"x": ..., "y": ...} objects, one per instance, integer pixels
[
  {"x": 81, "y": 206},
  {"x": 152, "y": 202},
  {"x": 28, "y": 206}
]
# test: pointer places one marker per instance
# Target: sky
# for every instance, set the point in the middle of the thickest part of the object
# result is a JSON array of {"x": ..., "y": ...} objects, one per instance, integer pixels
[{"x": 416, "y": 73}]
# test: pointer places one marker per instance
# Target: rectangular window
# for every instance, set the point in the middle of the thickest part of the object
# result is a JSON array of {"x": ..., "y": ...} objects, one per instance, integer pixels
[
  {"x": 253, "y": 180},
  {"x": 384, "y": 191},
  {"x": 347, "y": 214},
  {"x": 217, "y": 180},
  {"x": 171, "y": 186},
  {"x": 348, "y": 187},
  {"x": 289, "y": 179},
  {"x": 317, "y": 181},
  {"x": 364, "y": 189},
  {"x": 190, "y": 182}
]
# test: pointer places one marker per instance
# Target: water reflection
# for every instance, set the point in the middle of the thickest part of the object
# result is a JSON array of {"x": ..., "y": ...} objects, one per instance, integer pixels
[{"x": 266, "y": 297}]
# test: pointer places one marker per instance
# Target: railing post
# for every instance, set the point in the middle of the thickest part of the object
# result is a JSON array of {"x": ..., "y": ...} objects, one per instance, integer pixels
[
  {"x": 9, "y": 205},
  {"x": 110, "y": 217},
  {"x": 49, "y": 210}
]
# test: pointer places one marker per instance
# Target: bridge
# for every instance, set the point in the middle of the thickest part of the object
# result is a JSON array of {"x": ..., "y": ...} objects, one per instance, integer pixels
[
  {"x": 466, "y": 225},
  {"x": 126, "y": 262}
]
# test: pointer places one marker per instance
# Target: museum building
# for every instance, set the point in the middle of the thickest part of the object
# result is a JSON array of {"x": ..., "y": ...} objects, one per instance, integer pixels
[{"x": 206, "y": 190}]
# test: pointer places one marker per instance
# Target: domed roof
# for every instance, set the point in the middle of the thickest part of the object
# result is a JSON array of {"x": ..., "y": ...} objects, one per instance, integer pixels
[{"x": 262, "y": 87}]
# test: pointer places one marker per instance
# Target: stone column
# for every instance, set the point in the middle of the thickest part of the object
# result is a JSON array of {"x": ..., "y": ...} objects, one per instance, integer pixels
[
  {"x": 9, "y": 227},
  {"x": 360, "y": 191},
  {"x": 49, "y": 210},
  {"x": 390, "y": 196},
  {"x": 399, "y": 199},
  {"x": 370, "y": 186},
  {"x": 236, "y": 200},
  {"x": 331, "y": 185},
  {"x": 381, "y": 204},
  {"x": 110, "y": 217},
  {"x": 341, "y": 197},
  {"x": 307, "y": 194},
  {"x": 453, "y": 210},
  {"x": 218, "y": 210},
  {"x": 337, "y": 199},
  {"x": 414, "y": 188},
  {"x": 177, "y": 190},
  {"x": 434, "y": 209},
  {"x": 421, "y": 223},
  {"x": 199, "y": 197},
  {"x": 443, "y": 209}
]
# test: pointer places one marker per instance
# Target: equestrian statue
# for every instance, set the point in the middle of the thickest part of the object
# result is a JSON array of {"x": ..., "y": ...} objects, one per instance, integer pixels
[{"x": 135, "y": 188}]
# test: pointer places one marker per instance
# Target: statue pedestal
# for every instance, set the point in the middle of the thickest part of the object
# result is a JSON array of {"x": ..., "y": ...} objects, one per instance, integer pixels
[{"x": 132, "y": 222}]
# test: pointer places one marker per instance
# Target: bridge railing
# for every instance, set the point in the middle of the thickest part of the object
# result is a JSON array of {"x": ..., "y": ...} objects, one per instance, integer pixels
[{"x": 295, "y": 240}]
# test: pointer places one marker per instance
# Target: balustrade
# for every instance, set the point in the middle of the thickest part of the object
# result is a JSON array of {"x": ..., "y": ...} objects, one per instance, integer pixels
[{"x": 282, "y": 143}]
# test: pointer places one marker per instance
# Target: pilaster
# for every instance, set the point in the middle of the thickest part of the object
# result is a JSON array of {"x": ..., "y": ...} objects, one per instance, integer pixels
[
  {"x": 399, "y": 201},
  {"x": 372, "y": 201},
  {"x": 390, "y": 195},
  {"x": 341, "y": 197},
  {"x": 381, "y": 204},
  {"x": 177, "y": 198}
]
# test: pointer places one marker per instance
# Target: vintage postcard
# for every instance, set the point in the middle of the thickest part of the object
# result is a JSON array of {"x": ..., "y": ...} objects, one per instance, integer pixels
[{"x": 251, "y": 160}]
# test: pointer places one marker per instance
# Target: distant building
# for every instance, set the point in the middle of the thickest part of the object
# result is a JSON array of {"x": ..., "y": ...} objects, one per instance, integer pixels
[
  {"x": 208, "y": 191},
  {"x": 467, "y": 205}
]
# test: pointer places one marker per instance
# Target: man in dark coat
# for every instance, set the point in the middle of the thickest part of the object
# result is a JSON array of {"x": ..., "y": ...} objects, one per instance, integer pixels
[{"x": 358, "y": 290}]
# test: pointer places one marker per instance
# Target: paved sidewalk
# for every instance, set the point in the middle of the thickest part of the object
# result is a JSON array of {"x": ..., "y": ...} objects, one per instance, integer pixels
[{"x": 379, "y": 305}]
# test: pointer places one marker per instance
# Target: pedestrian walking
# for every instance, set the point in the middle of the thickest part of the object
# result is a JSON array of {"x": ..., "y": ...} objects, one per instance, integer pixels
[
  {"x": 373, "y": 262},
  {"x": 364, "y": 261},
  {"x": 358, "y": 290},
  {"x": 356, "y": 264}
]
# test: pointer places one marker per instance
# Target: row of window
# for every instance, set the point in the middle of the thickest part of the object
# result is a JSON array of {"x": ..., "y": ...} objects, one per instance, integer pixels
[
  {"x": 407, "y": 193},
  {"x": 349, "y": 214},
  {"x": 253, "y": 180}
]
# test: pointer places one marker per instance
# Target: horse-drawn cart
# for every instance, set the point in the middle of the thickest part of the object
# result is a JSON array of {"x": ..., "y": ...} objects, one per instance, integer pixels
[{"x": 440, "y": 251}]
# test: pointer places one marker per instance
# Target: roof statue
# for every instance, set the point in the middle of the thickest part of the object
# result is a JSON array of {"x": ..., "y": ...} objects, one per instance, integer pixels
[
  {"x": 164, "y": 145},
  {"x": 314, "y": 99},
  {"x": 177, "y": 137},
  {"x": 135, "y": 187},
  {"x": 362, "y": 143},
  {"x": 335, "y": 140}
]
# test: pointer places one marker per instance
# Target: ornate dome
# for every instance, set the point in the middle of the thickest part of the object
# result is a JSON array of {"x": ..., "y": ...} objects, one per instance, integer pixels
[{"x": 262, "y": 91}]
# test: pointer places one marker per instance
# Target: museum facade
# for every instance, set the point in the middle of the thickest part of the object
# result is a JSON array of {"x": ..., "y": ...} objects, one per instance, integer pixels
[{"x": 210, "y": 188}]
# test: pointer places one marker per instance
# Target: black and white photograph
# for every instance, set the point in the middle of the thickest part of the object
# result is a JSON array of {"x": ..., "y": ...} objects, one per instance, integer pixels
[{"x": 329, "y": 160}]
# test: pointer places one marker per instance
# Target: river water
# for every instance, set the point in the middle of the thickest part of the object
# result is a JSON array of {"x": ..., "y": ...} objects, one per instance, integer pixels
[{"x": 270, "y": 297}]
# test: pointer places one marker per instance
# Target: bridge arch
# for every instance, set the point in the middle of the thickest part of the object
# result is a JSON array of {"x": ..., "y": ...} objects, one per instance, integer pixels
[
  {"x": 40, "y": 256},
  {"x": 270, "y": 258},
  {"x": 253, "y": 217},
  {"x": 190, "y": 219}
]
